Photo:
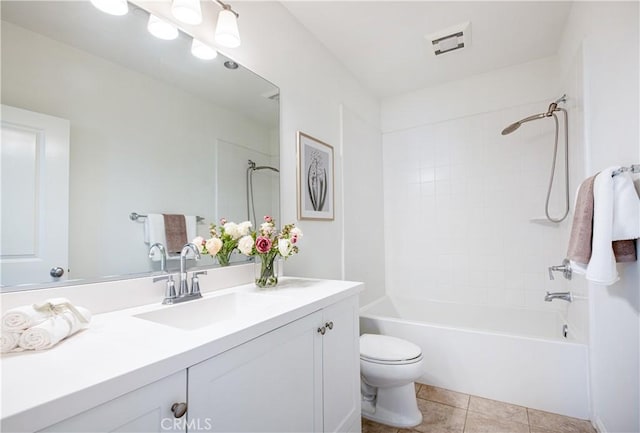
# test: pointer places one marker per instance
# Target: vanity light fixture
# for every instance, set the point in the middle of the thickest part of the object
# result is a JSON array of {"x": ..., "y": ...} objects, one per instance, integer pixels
[
  {"x": 227, "y": 33},
  {"x": 112, "y": 7},
  {"x": 161, "y": 29},
  {"x": 203, "y": 51},
  {"x": 187, "y": 11}
]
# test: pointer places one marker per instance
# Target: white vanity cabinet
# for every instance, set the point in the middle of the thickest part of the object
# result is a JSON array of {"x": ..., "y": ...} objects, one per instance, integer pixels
[
  {"x": 289, "y": 365},
  {"x": 301, "y": 377},
  {"x": 147, "y": 409}
]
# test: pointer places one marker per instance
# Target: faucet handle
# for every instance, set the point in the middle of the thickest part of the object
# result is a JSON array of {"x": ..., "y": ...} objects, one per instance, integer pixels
[
  {"x": 170, "y": 292},
  {"x": 565, "y": 268},
  {"x": 195, "y": 282}
]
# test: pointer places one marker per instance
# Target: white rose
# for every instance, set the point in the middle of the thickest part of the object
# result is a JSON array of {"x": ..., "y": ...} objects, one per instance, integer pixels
[
  {"x": 244, "y": 227},
  {"x": 296, "y": 232},
  {"x": 199, "y": 242},
  {"x": 285, "y": 247},
  {"x": 232, "y": 230},
  {"x": 213, "y": 245},
  {"x": 245, "y": 245},
  {"x": 266, "y": 228}
]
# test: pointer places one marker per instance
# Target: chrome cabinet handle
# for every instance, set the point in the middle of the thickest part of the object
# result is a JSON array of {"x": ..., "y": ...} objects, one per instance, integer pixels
[
  {"x": 329, "y": 325},
  {"x": 322, "y": 330},
  {"x": 56, "y": 272},
  {"x": 179, "y": 409}
]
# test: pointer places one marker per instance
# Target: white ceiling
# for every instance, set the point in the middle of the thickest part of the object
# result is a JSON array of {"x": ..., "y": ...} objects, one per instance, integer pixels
[{"x": 382, "y": 42}]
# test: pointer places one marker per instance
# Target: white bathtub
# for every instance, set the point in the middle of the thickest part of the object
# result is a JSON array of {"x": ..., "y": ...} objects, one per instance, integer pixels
[{"x": 507, "y": 354}]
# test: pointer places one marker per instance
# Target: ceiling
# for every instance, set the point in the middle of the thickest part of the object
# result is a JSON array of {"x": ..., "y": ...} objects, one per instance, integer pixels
[{"x": 383, "y": 43}]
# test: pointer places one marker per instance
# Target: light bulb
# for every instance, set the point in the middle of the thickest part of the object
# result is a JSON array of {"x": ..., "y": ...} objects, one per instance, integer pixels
[
  {"x": 227, "y": 33},
  {"x": 161, "y": 29},
  {"x": 187, "y": 11},
  {"x": 112, "y": 7},
  {"x": 202, "y": 51}
]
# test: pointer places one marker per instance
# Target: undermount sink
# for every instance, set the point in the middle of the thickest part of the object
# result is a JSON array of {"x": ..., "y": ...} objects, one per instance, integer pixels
[{"x": 207, "y": 311}]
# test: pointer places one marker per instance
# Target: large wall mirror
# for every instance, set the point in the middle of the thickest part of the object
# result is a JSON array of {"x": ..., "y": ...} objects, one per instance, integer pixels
[{"x": 148, "y": 129}]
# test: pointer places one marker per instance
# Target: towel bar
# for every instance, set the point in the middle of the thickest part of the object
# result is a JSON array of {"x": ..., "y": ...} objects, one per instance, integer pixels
[
  {"x": 134, "y": 216},
  {"x": 634, "y": 168}
]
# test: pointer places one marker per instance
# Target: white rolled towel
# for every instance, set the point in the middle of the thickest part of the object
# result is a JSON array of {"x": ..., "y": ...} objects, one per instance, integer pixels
[
  {"x": 53, "y": 330},
  {"x": 23, "y": 317},
  {"x": 9, "y": 341}
]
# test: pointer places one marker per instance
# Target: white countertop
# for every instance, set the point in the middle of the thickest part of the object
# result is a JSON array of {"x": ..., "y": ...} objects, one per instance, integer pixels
[{"x": 119, "y": 353}]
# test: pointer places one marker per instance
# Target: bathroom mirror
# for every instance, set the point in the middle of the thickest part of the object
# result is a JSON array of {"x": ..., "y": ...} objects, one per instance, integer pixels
[{"x": 151, "y": 129}]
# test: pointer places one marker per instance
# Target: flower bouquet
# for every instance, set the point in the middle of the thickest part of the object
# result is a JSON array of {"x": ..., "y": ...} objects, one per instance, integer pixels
[
  {"x": 266, "y": 245},
  {"x": 224, "y": 240}
]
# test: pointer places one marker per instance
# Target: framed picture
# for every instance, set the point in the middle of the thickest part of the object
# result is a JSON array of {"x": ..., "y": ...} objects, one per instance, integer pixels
[{"x": 315, "y": 179}]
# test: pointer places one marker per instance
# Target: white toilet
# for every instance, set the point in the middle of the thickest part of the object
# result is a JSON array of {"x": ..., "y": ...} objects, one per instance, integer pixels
[{"x": 388, "y": 368}]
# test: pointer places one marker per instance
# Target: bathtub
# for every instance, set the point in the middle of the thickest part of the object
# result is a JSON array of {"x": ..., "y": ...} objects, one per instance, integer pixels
[{"x": 513, "y": 355}]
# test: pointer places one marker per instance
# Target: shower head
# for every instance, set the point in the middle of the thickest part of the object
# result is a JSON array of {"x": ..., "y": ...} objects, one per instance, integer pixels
[
  {"x": 552, "y": 108},
  {"x": 509, "y": 129}
]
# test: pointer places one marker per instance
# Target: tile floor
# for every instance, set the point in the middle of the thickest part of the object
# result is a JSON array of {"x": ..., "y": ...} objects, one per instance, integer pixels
[{"x": 447, "y": 411}]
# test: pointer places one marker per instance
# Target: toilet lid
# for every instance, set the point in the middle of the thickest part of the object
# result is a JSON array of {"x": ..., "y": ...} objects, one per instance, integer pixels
[{"x": 385, "y": 348}]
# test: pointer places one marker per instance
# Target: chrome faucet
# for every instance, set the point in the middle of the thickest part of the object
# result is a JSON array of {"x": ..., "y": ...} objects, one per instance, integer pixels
[
  {"x": 565, "y": 296},
  {"x": 163, "y": 255},
  {"x": 565, "y": 268},
  {"x": 184, "y": 284}
]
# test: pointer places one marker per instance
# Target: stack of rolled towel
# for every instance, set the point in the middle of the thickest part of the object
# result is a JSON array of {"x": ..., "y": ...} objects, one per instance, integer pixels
[{"x": 41, "y": 326}]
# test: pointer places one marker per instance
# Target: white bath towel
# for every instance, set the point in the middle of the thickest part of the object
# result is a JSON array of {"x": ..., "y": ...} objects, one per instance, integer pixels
[
  {"x": 607, "y": 191},
  {"x": 155, "y": 232},
  {"x": 53, "y": 330},
  {"x": 9, "y": 340},
  {"x": 626, "y": 208},
  {"x": 23, "y": 317}
]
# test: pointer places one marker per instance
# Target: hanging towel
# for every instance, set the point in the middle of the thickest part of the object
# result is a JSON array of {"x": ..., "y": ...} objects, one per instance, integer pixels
[
  {"x": 611, "y": 195},
  {"x": 579, "y": 250},
  {"x": 53, "y": 330},
  {"x": 175, "y": 230},
  {"x": 626, "y": 208},
  {"x": 155, "y": 233}
]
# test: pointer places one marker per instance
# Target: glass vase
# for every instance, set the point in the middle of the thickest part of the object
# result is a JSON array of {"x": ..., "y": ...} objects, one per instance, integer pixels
[
  {"x": 266, "y": 271},
  {"x": 224, "y": 257}
]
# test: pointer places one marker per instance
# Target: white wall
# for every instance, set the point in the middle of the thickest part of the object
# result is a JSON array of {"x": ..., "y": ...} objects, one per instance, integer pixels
[
  {"x": 604, "y": 37},
  {"x": 363, "y": 205},
  {"x": 459, "y": 196},
  {"x": 313, "y": 85},
  {"x": 114, "y": 159}
]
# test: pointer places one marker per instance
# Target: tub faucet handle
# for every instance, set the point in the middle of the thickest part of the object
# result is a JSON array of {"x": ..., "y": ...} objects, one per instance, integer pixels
[{"x": 565, "y": 268}]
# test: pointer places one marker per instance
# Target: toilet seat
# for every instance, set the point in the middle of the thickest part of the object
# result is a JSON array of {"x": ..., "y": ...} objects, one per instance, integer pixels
[{"x": 383, "y": 349}]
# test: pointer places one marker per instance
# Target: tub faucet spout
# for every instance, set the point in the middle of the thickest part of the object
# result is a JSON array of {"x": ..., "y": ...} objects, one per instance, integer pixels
[{"x": 565, "y": 296}]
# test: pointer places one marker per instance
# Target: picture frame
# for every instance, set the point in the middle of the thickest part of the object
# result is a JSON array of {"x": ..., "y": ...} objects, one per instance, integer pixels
[{"x": 316, "y": 183}]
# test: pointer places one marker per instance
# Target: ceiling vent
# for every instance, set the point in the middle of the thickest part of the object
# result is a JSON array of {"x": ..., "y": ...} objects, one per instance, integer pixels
[{"x": 450, "y": 39}]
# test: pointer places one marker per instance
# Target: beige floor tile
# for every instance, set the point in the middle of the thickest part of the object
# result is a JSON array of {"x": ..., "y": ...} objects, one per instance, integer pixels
[
  {"x": 498, "y": 409},
  {"x": 444, "y": 396},
  {"x": 374, "y": 427},
  {"x": 418, "y": 386},
  {"x": 558, "y": 423},
  {"x": 481, "y": 423},
  {"x": 440, "y": 418}
]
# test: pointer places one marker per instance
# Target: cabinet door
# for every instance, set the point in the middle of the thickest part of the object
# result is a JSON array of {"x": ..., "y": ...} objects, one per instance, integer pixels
[
  {"x": 341, "y": 367},
  {"x": 270, "y": 384},
  {"x": 147, "y": 409}
]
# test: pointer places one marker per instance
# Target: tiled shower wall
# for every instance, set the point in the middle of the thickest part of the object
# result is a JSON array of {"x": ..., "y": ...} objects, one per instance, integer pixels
[{"x": 464, "y": 210}]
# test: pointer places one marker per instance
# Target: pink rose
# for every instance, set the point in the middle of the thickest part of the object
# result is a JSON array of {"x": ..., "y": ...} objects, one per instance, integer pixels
[
  {"x": 263, "y": 244},
  {"x": 223, "y": 221},
  {"x": 268, "y": 219}
]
